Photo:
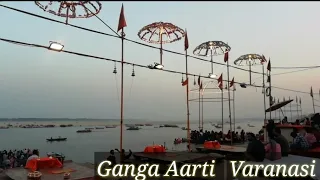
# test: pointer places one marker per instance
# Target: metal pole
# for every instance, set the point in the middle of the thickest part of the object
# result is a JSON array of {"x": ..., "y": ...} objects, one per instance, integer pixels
[
  {"x": 297, "y": 109},
  {"x": 211, "y": 62},
  {"x": 222, "y": 107},
  {"x": 264, "y": 94},
  {"x": 229, "y": 101},
  {"x": 121, "y": 102},
  {"x": 202, "y": 111},
  {"x": 161, "y": 51},
  {"x": 249, "y": 70},
  {"x": 199, "y": 107},
  {"x": 290, "y": 110},
  {"x": 300, "y": 109},
  {"x": 314, "y": 110},
  {"x": 234, "y": 106},
  {"x": 188, "y": 112}
]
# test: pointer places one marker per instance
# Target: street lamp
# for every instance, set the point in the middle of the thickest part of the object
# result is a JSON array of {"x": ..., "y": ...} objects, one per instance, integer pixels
[{"x": 55, "y": 46}]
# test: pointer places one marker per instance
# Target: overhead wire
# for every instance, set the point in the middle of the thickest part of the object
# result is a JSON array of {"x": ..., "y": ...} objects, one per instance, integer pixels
[
  {"x": 134, "y": 64},
  {"x": 126, "y": 39}
]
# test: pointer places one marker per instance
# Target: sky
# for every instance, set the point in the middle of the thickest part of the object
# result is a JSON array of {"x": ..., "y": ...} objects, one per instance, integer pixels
[{"x": 40, "y": 83}]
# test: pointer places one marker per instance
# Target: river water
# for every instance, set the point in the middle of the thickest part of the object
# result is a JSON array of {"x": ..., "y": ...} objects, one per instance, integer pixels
[{"x": 80, "y": 147}]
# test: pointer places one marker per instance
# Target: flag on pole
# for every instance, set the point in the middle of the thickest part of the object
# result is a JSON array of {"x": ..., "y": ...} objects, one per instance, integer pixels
[
  {"x": 269, "y": 65},
  {"x": 232, "y": 82},
  {"x": 186, "y": 41},
  {"x": 220, "y": 82},
  {"x": 300, "y": 100},
  {"x": 200, "y": 87},
  {"x": 185, "y": 82},
  {"x": 122, "y": 20},
  {"x": 199, "y": 82},
  {"x": 296, "y": 99},
  {"x": 226, "y": 56},
  {"x": 311, "y": 92}
]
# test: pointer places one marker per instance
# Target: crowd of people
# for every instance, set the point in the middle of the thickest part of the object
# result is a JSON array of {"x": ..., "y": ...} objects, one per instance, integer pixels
[
  {"x": 199, "y": 137},
  {"x": 278, "y": 146},
  {"x": 16, "y": 158}
]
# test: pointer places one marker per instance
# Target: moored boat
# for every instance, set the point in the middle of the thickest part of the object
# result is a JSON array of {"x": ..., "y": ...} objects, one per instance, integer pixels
[
  {"x": 99, "y": 127},
  {"x": 133, "y": 128},
  {"x": 84, "y": 131},
  {"x": 148, "y": 124},
  {"x": 111, "y": 126},
  {"x": 57, "y": 139}
]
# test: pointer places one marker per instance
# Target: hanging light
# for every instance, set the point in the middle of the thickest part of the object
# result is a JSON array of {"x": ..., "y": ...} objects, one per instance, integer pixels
[
  {"x": 194, "y": 80},
  {"x": 211, "y": 75},
  {"x": 133, "y": 74},
  {"x": 115, "y": 68},
  {"x": 182, "y": 80},
  {"x": 55, "y": 46}
]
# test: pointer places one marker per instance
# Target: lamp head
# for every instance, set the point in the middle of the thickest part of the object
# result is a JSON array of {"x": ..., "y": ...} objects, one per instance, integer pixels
[{"x": 55, "y": 46}]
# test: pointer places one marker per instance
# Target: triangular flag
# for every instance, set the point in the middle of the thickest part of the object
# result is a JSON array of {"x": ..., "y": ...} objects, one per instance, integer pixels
[
  {"x": 200, "y": 87},
  {"x": 186, "y": 41},
  {"x": 263, "y": 60},
  {"x": 226, "y": 56},
  {"x": 122, "y": 20},
  {"x": 300, "y": 100},
  {"x": 296, "y": 99},
  {"x": 232, "y": 82},
  {"x": 220, "y": 82},
  {"x": 185, "y": 82},
  {"x": 311, "y": 92},
  {"x": 269, "y": 65},
  {"x": 199, "y": 82}
]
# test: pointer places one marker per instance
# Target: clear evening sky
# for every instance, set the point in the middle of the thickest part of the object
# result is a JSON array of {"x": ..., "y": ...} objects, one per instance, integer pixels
[{"x": 39, "y": 83}]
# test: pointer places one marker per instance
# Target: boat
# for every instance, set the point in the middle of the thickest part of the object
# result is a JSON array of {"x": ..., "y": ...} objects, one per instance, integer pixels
[
  {"x": 99, "y": 127},
  {"x": 184, "y": 128},
  {"x": 130, "y": 125},
  {"x": 133, "y": 128},
  {"x": 239, "y": 127},
  {"x": 250, "y": 125},
  {"x": 139, "y": 125},
  {"x": 84, "y": 131},
  {"x": 4, "y": 127},
  {"x": 170, "y": 125},
  {"x": 62, "y": 125},
  {"x": 112, "y": 126},
  {"x": 57, "y": 139},
  {"x": 218, "y": 126},
  {"x": 148, "y": 124}
]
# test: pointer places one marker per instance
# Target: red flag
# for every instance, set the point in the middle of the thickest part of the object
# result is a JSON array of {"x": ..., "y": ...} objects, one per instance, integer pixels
[
  {"x": 220, "y": 82},
  {"x": 269, "y": 65},
  {"x": 186, "y": 42},
  {"x": 226, "y": 56},
  {"x": 199, "y": 81},
  {"x": 311, "y": 92},
  {"x": 232, "y": 82},
  {"x": 185, "y": 82},
  {"x": 122, "y": 20}
]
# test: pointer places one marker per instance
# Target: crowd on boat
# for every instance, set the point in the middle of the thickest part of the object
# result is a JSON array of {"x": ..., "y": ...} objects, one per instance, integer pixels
[
  {"x": 304, "y": 140},
  {"x": 16, "y": 158},
  {"x": 199, "y": 137}
]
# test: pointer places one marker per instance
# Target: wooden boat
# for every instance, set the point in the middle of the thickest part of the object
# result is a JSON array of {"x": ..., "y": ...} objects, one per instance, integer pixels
[
  {"x": 251, "y": 125},
  {"x": 148, "y": 124},
  {"x": 99, "y": 127},
  {"x": 57, "y": 139},
  {"x": 169, "y": 125},
  {"x": 84, "y": 131},
  {"x": 133, "y": 128},
  {"x": 112, "y": 126}
]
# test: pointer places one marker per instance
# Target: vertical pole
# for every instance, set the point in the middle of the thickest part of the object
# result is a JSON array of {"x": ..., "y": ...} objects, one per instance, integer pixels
[
  {"x": 300, "y": 109},
  {"x": 199, "y": 107},
  {"x": 264, "y": 94},
  {"x": 229, "y": 101},
  {"x": 290, "y": 110},
  {"x": 314, "y": 110},
  {"x": 188, "y": 112},
  {"x": 234, "y": 106},
  {"x": 161, "y": 51},
  {"x": 249, "y": 70},
  {"x": 202, "y": 110},
  {"x": 121, "y": 108},
  {"x": 270, "y": 96},
  {"x": 222, "y": 108},
  {"x": 211, "y": 61},
  {"x": 297, "y": 109}
]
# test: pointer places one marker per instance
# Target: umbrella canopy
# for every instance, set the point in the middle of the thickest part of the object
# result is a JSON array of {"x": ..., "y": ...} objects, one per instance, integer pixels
[{"x": 278, "y": 105}]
